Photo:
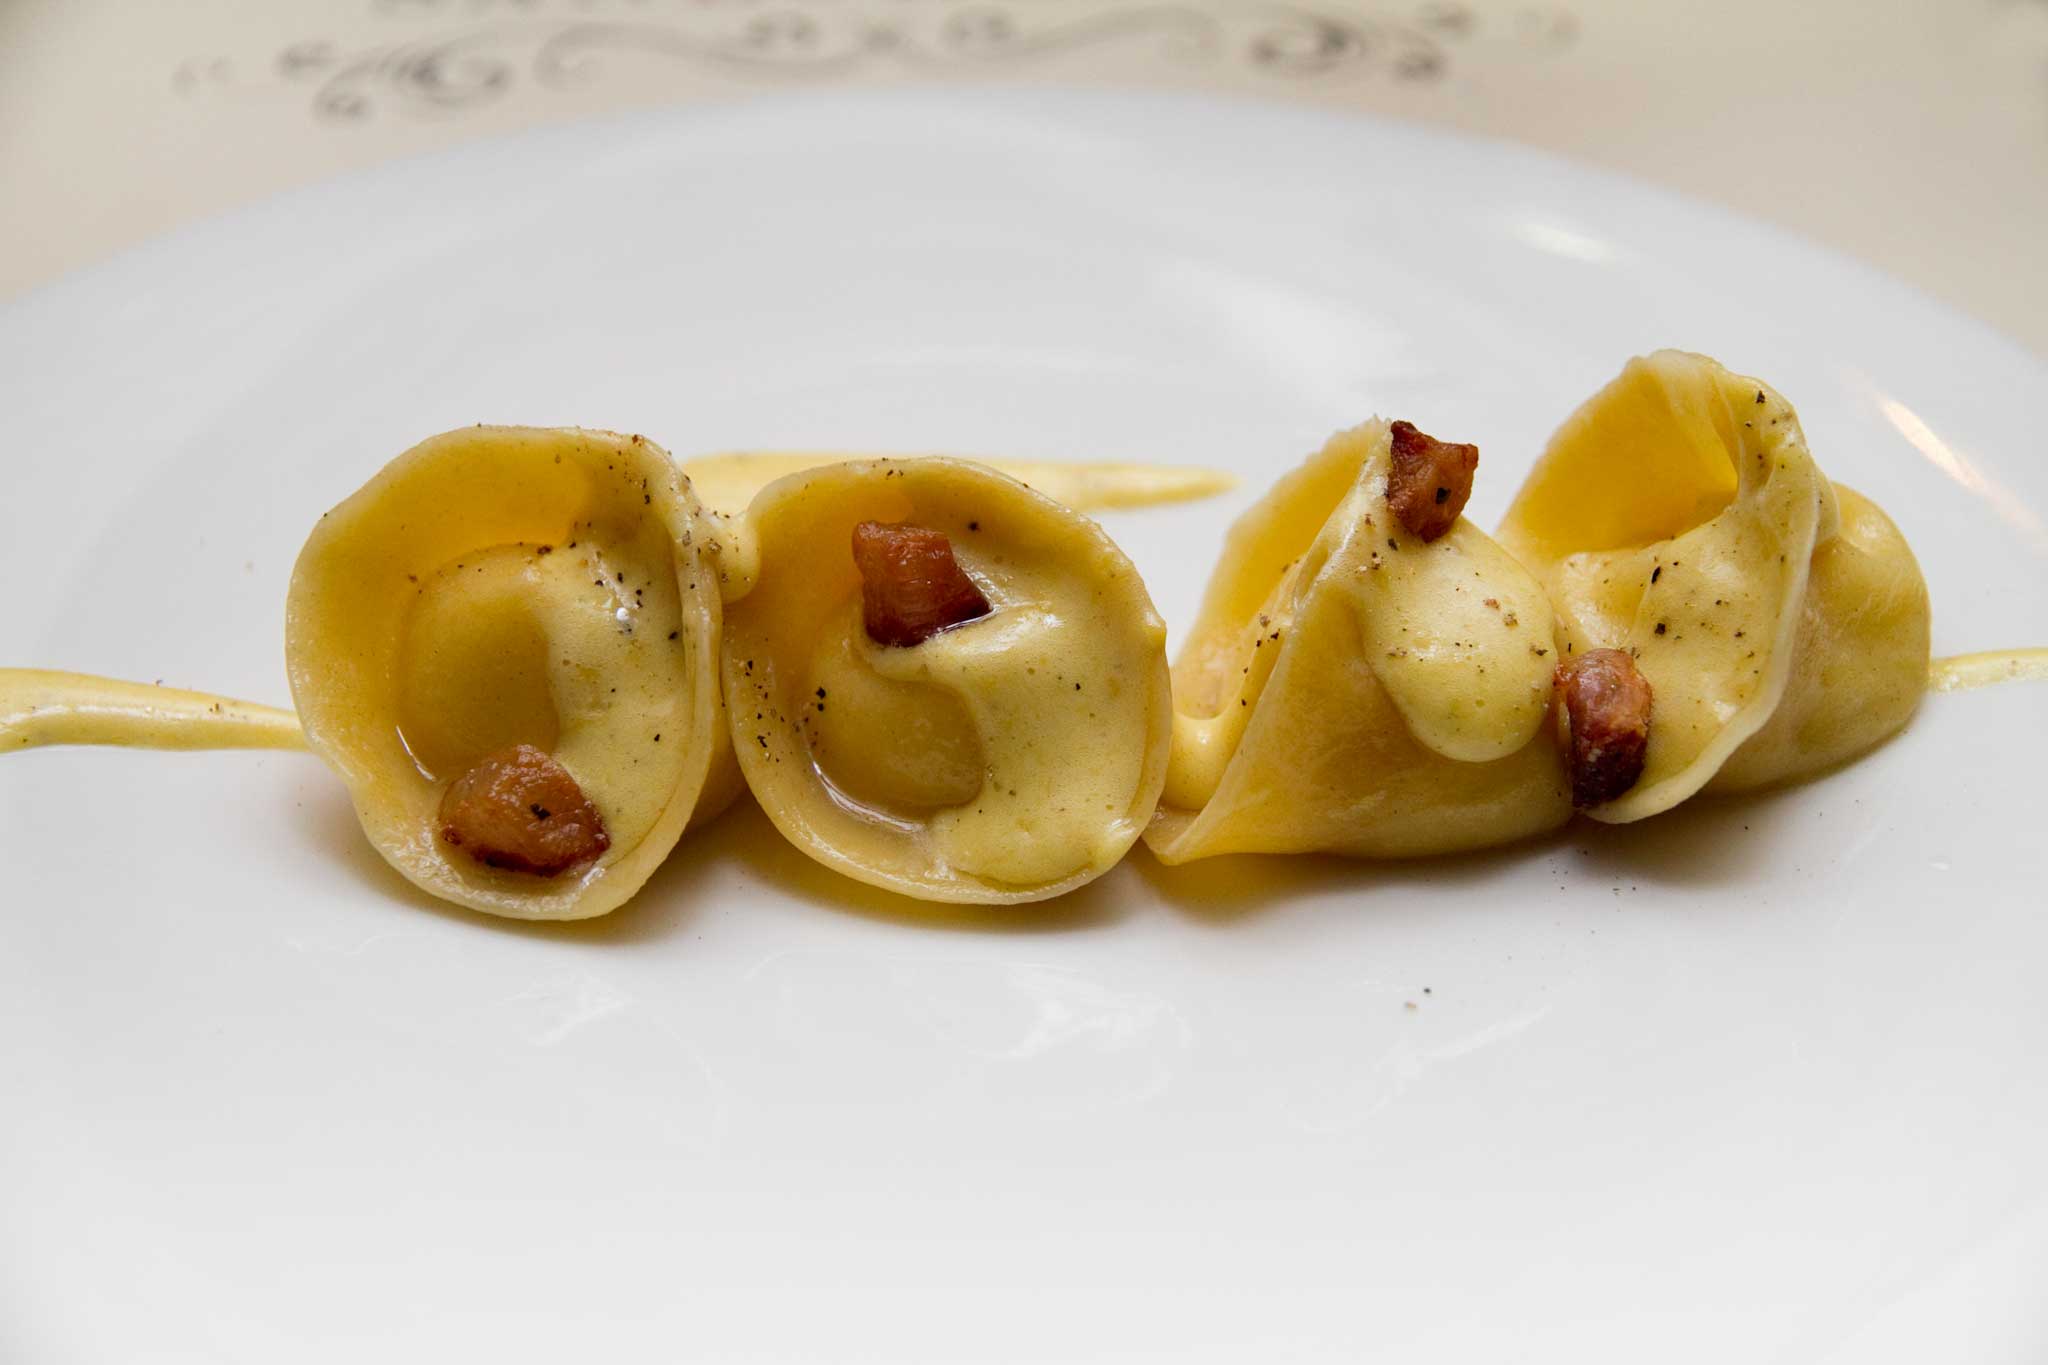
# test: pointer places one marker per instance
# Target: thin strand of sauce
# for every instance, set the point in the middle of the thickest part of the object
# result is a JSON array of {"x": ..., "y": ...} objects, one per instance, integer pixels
[
  {"x": 728, "y": 482},
  {"x": 1961, "y": 672},
  {"x": 43, "y": 706}
]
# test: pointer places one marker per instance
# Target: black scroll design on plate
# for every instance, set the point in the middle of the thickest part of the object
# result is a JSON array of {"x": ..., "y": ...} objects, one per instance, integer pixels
[
  {"x": 435, "y": 76},
  {"x": 1285, "y": 39},
  {"x": 799, "y": 40}
]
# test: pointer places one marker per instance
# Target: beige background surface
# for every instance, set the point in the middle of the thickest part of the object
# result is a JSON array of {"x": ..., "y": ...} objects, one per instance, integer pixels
[{"x": 1912, "y": 134}]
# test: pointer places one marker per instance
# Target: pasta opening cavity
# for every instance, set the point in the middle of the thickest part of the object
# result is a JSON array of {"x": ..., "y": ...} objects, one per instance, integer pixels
[
  {"x": 880, "y": 734},
  {"x": 474, "y": 666}
]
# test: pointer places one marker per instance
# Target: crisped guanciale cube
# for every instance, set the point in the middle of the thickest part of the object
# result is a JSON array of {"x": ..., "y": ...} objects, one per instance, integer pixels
[
  {"x": 1607, "y": 702},
  {"x": 519, "y": 809},
  {"x": 1430, "y": 480},
  {"x": 911, "y": 588}
]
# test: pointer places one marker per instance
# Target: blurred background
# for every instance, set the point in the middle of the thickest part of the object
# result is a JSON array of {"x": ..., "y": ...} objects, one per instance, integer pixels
[{"x": 1911, "y": 134}]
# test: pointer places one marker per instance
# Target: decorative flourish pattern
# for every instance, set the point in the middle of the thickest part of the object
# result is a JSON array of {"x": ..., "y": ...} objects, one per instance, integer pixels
[
  {"x": 797, "y": 40},
  {"x": 441, "y": 75}
]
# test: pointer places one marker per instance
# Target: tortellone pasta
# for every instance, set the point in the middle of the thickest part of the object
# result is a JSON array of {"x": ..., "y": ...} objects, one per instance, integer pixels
[
  {"x": 534, "y": 656},
  {"x": 943, "y": 683},
  {"x": 506, "y": 644},
  {"x": 1780, "y": 621},
  {"x": 1370, "y": 673}
]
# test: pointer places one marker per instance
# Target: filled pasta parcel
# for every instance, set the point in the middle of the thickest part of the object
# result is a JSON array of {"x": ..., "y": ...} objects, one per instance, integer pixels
[
  {"x": 506, "y": 645},
  {"x": 943, "y": 683},
  {"x": 1778, "y": 622},
  {"x": 1369, "y": 674}
]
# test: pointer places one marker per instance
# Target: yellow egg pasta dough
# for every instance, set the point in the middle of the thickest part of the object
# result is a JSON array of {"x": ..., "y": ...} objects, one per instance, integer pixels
[
  {"x": 506, "y": 645},
  {"x": 1350, "y": 687},
  {"x": 1006, "y": 757},
  {"x": 1780, "y": 620}
]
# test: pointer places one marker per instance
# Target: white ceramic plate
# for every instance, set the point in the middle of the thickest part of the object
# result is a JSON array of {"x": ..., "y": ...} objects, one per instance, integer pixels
[{"x": 1757, "y": 1081}]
